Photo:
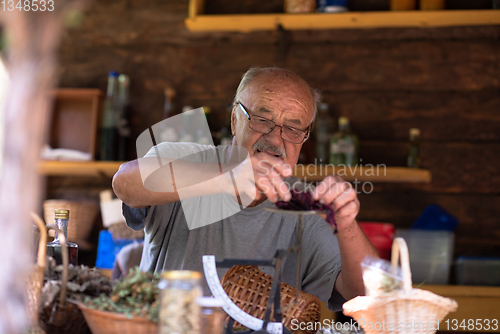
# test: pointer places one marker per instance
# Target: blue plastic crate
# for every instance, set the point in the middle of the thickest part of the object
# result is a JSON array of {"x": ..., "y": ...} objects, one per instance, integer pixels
[
  {"x": 108, "y": 248},
  {"x": 434, "y": 218}
]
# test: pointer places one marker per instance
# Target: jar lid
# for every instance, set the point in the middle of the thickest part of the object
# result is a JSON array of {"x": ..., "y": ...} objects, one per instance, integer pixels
[
  {"x": 209, "y": 302},
  {"x": 181, "y": 274},
  {"x": 61, "y": 214}
]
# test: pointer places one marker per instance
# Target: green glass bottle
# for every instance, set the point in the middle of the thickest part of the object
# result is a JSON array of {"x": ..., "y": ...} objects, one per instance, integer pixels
[
  {"x": 109, "y": 129},
  {"x": 322, "y": 133},
  {"x": 344, "y": 145},
  {"x": 414, "y": 152}
]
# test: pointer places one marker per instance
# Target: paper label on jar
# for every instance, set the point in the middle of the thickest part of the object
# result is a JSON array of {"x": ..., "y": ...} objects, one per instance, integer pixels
[{"x": 342, "y": 146}]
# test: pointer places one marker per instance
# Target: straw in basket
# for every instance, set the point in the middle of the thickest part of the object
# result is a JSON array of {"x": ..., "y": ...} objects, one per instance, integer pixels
[
  {"x": 249, "y": 288},
  {"x": 35, "y": 280},
  {"x": 407, "y": 311}
]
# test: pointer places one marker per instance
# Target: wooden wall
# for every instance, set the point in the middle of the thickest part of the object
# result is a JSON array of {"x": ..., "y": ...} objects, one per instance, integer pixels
[{"x": 444, "y": 81}]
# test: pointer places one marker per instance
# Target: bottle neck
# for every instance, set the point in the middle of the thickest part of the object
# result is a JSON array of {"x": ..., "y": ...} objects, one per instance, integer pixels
[
  {"x": 62, "y": 224},
  {"x": 344, "y": 127}
]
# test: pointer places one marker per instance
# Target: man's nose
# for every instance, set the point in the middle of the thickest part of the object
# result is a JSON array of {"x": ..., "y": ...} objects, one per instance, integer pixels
[{"x": 274, "y": 137}]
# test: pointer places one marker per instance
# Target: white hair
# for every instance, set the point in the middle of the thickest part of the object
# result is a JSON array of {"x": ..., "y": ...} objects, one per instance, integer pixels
[{"x": 254, "y": 72}]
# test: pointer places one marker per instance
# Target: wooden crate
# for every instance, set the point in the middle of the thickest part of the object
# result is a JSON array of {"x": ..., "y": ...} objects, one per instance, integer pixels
[{"x": 75, "y": 119}]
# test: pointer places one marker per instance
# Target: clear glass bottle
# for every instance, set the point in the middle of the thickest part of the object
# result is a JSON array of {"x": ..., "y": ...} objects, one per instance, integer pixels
[
  {"x": 414, "y": 152},
  {"x": 109, "y": 128},
  {"x": 54, "y": 247},
  {"x": 344, "y": 145},
  {"x": 179, "y": 310},
  {"x": 122, "y": 123}
]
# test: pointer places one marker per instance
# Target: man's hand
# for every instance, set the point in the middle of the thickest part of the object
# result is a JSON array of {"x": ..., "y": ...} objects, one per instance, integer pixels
[
  {"x": 264, "y": 179},
  {"x": 342, "y": 197}
]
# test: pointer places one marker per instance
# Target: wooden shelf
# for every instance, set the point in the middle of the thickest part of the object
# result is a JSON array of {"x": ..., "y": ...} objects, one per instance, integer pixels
[
  {"x": 378, "y": 173},
  {"x": 347, "y": 20},
  {"x": 309, "y": 173},
  {"x": 78, "y": 168},
  {"x": 474, "y": 302}
]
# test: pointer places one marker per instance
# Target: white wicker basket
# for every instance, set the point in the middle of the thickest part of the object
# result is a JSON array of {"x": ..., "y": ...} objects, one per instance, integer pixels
[{"x": 407, "y": 311}]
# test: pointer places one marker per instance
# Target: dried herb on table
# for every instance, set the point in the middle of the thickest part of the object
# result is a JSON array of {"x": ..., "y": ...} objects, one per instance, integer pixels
[
  {"x": 136, "y": 295},
  {"x": 82, "y": 281},
  {"x": 303, "y": 201}
]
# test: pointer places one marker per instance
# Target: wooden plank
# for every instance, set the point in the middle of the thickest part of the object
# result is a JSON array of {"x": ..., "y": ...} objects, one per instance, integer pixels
[
  {"x": 463, "y": 290},
  {"x": 382, "y": 173},
  {"x": 455, "y": 167},
  {"x": 348, "y": 20},
  {"x": 441, "y": 116},
  {"x": 91, "y": 168},
  {"x": 77, "y": 93},
  {"x": 473, "y": 303},
  {"x": 196, "y": 8},
  {"x": 478, "y": 229}
]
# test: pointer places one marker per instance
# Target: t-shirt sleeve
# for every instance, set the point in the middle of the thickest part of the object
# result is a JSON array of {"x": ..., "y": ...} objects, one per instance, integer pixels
[
  {"x": 321, "y": 256},
  {"x": 135, "y": 218}
]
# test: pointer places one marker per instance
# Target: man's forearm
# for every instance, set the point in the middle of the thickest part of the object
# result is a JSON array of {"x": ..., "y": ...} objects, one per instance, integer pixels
[
  {"x": 161, "y": 185},
  {"x": 354, "y": 246}
]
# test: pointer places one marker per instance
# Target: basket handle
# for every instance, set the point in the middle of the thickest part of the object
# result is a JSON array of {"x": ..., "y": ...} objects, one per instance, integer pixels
[
  {"x": 42, "y": 243},
  {"x": 399, "y": 248},
  {"x": 65, "y": 260}
]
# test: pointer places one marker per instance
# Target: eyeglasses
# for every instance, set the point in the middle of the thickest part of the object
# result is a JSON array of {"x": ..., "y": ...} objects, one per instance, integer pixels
[{"x": 264, "y": 125}]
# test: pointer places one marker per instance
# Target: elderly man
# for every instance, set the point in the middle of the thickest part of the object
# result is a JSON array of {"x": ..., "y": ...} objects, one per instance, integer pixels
[{"x": 272, "y": 115}]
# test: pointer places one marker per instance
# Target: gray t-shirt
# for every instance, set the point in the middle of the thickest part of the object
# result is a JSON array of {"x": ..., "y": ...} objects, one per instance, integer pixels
[{"x": 252, "y": 233}]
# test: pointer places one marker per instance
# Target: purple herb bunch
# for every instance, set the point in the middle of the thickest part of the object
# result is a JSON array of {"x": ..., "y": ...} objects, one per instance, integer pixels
[{"x": 303, "y": 201}]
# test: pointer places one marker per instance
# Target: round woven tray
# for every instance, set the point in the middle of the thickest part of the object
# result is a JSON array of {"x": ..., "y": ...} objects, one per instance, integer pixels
[
  {"x": 249, "y": 288},
  {"x": 103, "y": 322},
  {"x": 418, "y": 311},
  {"x": 81, "y": 218}
]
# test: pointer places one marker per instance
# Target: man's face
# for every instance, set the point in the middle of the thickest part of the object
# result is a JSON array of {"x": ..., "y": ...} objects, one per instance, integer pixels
[{"x": 283, "y": 102}]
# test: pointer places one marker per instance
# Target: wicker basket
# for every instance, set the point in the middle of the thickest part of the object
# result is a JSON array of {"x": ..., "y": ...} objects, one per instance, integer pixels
[
  {"x": 103, "y": 322},
  {"x": 407, "y": 311},
  {"x": 81, "y": 218},
  {"x": 249, "y": 288},
  {"x": 35, "y": 279}
]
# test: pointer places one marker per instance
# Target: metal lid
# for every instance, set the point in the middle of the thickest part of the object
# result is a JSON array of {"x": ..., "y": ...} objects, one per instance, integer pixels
[
  {"x": 343, "y": 120},
  {"x": 61, "y": 214},
  {"x": 414, "y": 132},
  {"x": 181, "y": 274}
]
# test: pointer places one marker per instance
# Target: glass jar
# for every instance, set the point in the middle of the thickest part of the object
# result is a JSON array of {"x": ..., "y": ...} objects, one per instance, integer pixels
[
  {"x": 179, "y": 311},
  {"x": 300, "y": 6},
  {"x": 212, "y": 315}
]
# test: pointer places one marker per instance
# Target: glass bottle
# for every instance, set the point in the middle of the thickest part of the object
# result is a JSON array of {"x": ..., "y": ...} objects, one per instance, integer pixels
[
  {"x": 344, "y": 145},
  {"x": 179, "y": 310},
  {"x": 109, "y": 129},
  {"x": 414, "y": 152},
  {"x": 54, "y": 247},
  {"x": 122, "y": 124},
  {"x": 322, "y": 134}
]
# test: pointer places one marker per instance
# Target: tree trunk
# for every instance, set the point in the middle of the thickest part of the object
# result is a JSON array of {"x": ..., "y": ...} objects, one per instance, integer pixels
[{"x": 32, "y": 38}]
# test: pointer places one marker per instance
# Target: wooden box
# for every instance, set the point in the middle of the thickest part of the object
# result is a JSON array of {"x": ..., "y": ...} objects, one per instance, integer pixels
[{"x": 75, "y": 119}]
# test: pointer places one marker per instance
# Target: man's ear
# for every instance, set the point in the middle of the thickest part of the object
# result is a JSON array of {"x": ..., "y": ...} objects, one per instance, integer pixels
[{"x": 233, "y": 121}]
